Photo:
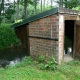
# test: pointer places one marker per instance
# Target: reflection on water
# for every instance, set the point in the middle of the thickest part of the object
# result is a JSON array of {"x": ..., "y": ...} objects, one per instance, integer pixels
[
  {"x": 14, "y": 62},
  {"x": 12, "y": 56}
]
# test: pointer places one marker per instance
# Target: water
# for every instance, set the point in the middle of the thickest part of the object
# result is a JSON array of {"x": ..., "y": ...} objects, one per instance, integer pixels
[
  {"x": 12, "y": 56},
  {"x": 15, "y": 61}
]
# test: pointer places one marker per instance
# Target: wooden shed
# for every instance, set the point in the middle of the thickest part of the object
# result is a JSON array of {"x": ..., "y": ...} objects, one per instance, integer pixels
[{"x": 44, "y": 33}]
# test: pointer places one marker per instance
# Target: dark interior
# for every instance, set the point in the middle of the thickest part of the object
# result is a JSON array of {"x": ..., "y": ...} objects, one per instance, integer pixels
[{"x": 69, "y": 35}]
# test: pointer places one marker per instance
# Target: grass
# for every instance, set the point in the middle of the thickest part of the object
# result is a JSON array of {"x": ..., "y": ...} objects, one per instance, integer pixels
[{"x": 23, "y": 71}]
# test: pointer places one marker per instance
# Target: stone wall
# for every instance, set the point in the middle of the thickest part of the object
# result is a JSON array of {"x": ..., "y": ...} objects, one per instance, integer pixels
[{"x": 39, "y": 31}]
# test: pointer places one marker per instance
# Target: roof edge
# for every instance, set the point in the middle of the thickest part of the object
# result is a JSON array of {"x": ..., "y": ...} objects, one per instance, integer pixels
[
  {"x": 45, "y": 14},
  {"x": 36, "y": 17}
]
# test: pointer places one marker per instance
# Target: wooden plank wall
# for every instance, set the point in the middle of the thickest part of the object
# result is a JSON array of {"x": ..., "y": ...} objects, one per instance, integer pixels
[{"x": 22, "y": 32}]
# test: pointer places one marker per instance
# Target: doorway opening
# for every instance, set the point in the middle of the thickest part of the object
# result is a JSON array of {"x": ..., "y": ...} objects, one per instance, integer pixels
[{"x": 68, "y": 40}]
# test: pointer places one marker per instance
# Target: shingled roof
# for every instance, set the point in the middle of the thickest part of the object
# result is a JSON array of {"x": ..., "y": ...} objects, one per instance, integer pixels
[{"x": 45, "y": 14}]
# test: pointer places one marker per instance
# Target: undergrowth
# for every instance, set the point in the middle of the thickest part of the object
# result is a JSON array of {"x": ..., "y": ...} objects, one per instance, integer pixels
[
  {"x": 49, "y": 64},
  {"x": 28, "y": 70},
  {"x": 41, "y": 63}
]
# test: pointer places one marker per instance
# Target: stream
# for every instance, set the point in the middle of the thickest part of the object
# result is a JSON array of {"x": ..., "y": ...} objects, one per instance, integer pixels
[{"x": 12, "y": 57}]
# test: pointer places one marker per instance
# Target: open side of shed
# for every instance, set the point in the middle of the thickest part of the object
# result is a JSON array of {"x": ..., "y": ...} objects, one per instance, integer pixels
[
  {"x": 44, "y": 34},
  {"x": 68, "y": 39}
]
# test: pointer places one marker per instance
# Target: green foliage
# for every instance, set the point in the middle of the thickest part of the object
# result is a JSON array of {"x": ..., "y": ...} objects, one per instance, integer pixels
[
  {"x": 50, "y": 64},
  {"x": 73, "y": 3},
  {"x": 35, "y": 62},
  {"x": 21, "y": 12},
  {"x": 25, "y": 62},
  {"x": 46, "y": 8},
  {"x": 16, "y": 21},
  {"x": 8, "y": 37},
  {"x": 21, "y": 64},
  {"x": 41, "y": 66},
  {"x": 30, "y": 72},
  {"x": 68, "y": 3},
  {"x": 41, "y": 58},
  {"x": 1, "y": 70},
  {"x": 9, "y": 14},
  {"x": 0, "y": 19},
  {"x": 30, "y": 10},
  {"x": 74, "y": 62},
  {"x": 77, "y": 8}
]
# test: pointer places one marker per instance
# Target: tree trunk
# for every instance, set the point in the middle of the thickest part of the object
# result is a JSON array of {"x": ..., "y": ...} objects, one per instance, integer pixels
[
  {"x": 25, "y": 9},
  {"x": 4, "y": 20},
  {"x": 60, "y": 3},
  {"x": 35, "y": 3},
  {"x": 14, "y": 4},
  {"x": 3, "y": 6},
  {"x": 44, "y": 5},
  {"x": 1, "y": 9},
  {"x": 17, "y": 10},
  {"x": 41, "y": 5},
  {"x": 51, "y": 4},
  {"x": 65, "y": 3}
]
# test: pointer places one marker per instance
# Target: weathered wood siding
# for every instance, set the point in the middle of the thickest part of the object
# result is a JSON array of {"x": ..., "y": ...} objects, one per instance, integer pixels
[{"x": 22, "y": 34}]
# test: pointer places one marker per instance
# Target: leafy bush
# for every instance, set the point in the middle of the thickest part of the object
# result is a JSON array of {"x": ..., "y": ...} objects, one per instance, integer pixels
[
  {"x": 35, "y": 62},
  {"x": 50, "y": 64},
  {"x": 76, "y": 8},
  {"x": 41, "y": 66},
  {"x": 41, "y": 58},
  {"x": 9, "y": 14},
  {"x": 27, "y": 60},
  {"x": 8, "y": 37}
]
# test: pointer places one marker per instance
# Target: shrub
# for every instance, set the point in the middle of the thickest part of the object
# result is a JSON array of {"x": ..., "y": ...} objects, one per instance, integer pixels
[
  {"x": 41, "y": 58},
  {"x": 50, "y": 64},
  {"x": 41, "y": 66},
  {"x": 27, "y": 60},
  {"x": 8, "y": 37}
]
